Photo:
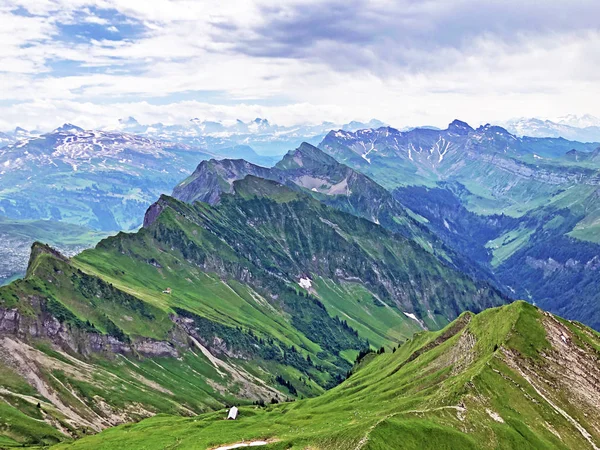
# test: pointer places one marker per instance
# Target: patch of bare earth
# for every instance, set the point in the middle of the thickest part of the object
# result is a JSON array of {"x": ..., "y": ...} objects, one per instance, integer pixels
[
  {"x": 36, "y": 368},
  {"x": 243, "y": 444},
  {"x": 251, "y": 386}
]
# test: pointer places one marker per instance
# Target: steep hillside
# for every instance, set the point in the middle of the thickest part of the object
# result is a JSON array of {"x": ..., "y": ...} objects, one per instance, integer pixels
[
  {"x": 79, "y": 354},
  {"x": 312, "y": 171},
  {"x": 509, "y": 377},
  {"x": 537, "y": 256},
  {"x": 305, "y": 236},
  {"x": 269, "y": 294},
  {"x": 525, "y": 209}
]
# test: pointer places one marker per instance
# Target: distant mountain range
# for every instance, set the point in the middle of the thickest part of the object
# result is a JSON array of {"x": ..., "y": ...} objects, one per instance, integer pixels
[
  {"x": 258, "y": 140},
  {"x": 18, "y": 134},
  {"x": 435, "y": 155},
  {"x": 272, "y": 139},
  {"x": 577, "y": 128},
  {"x": 254, "y": 286},
  {"x": 101, "y": 179},
  {"x": 526, "y": 208},
  {"x": 259, "y": 134}
]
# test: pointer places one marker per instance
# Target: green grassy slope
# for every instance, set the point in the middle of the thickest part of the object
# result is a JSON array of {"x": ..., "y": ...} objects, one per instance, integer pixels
[
  {"x": 277, "y": 239},
  {"x": 240, "y": 323},
  {"x": 509, "y": 377},
  {"x": 524, "y": 210},
  {"x": 304, "y": 237},
  {"x": 314, "y": 173},
  {"x": 537, "y": 255},
  {"x": 78, "y": 355}
]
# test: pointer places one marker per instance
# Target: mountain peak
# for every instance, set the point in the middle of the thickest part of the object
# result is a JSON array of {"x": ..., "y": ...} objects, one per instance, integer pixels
[
  {"x": 67, "y": 128},
  {"x": 37, "y": 250},
  {"x": 213, "y": 178},
  {"x": 306, "y": 155},
  {"x": 129, "y": 121},
  {"x": 460, "y": 127},
  {"x": 493, "y": 128}
]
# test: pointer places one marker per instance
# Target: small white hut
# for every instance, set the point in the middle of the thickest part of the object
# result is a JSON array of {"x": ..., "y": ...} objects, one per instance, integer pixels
[{"x": 233, "y": 412}]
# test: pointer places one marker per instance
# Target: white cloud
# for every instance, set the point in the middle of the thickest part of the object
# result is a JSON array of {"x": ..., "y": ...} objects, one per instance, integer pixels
[
  {"x": 95, "y": 19},
  {"x": 407, "y": 62}
]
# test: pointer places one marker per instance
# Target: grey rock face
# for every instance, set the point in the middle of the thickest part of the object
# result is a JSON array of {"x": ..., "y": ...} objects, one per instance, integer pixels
[{"x": 46, "y": 326}]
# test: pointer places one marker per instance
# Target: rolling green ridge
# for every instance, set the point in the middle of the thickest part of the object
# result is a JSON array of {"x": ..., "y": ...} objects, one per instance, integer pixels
[
  {"x": 272, "y": 296},
  {"x": 509, "y": 377},
  {"x": 311, "y": 171}
]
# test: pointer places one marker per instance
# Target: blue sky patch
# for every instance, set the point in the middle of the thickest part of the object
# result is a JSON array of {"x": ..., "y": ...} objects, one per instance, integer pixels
[{"x": 100, "y": 24}]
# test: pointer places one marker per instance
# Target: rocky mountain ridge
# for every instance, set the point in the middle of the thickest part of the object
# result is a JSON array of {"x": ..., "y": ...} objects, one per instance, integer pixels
[
  {"x": 513, "y": 377},
  {"x": 522, "y": 207},
  {"x": 441, "y": 152},
  {"x": 311, "y": 170},
  {"x": 269, "y": 293}
]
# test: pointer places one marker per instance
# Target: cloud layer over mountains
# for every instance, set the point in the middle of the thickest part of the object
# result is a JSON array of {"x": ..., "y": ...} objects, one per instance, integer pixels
[{"x": 407, "y": 62}]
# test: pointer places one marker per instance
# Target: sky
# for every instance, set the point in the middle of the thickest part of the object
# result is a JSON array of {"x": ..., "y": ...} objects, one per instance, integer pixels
[{"x": 405, "y": 62}]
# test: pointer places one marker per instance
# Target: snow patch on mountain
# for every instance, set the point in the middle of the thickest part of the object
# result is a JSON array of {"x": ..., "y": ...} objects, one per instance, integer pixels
[
  {"x": 415, "y": 318},
  {"x": 305, "y": 283}
]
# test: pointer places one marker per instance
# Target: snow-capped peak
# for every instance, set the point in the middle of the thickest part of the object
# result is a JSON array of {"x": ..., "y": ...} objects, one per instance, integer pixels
[
  {"x": 583, "y": 121},
  {"x": 67, "y": 128},
  {"x": 129, "y": 121}
]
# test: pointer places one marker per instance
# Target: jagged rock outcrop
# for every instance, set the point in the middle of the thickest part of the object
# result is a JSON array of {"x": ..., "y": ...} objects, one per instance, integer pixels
[
  {"x": 73, "y": 340},
  {"x": 309, "y": 169},
  {"x": 213, "y": 178}
]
